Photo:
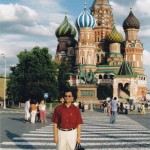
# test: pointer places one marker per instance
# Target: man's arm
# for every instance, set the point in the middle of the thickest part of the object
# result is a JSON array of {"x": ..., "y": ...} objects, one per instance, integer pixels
[
  {"x": 79, "y": 133},
  {"x": 55, "y": 130}
]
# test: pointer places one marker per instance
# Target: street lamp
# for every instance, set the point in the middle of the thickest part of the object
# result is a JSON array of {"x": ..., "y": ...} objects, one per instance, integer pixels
[{"x": 3, "y": 56}]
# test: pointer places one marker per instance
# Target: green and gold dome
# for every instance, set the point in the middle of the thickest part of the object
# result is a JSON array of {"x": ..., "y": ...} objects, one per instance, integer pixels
[
  {"x": 115, "y": 36},
  {"x": 65, "y": 29},
  {"x": 131, "y": 22}
]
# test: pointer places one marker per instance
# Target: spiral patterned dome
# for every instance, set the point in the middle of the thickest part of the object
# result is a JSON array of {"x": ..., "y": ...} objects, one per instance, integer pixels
[
  {"x": 85, "y": 19},
  {"x": 115, "y": 36},
  {"x": 65, "y": 29},
  {"x": 131, "y": 22}
]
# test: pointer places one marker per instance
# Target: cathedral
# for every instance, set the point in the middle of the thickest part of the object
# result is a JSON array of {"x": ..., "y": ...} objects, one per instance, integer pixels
[{"x": 115, "y": 61}]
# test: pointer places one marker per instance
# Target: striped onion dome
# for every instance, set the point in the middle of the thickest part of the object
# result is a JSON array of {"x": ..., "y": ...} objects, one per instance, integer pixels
[
  {"x": 115, "y": 36},
  {"x": 131, "y": 22},
  {"x": 65, "y": 29},
  {"x": 85, "y": 19}
]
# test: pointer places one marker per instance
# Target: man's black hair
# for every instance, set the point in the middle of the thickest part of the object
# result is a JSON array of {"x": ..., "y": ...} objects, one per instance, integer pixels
[{"x": 68, "y": 90}]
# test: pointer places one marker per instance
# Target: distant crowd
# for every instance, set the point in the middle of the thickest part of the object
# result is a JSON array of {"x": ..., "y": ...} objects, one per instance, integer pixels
[
  {"x": 35, "y": 112},
  {"x": 122, "y": 108}
]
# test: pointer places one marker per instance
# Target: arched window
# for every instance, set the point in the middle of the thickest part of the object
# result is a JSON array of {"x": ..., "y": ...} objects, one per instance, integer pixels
[
  {"x": 105, "y": 76},
  {"x": 111, "y": 77},
  {"x": 100, "y": 77},
  {"x": 97, "y": 58},
  {"x": 82, "y": 60},
  {"x": 102, "y": 57}
]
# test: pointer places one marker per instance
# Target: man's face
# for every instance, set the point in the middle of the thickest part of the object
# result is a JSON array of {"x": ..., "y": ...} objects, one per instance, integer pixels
[{"x": 68, "y": 97}]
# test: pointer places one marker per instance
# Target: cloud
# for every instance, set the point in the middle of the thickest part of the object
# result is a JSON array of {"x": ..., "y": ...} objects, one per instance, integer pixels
[
  {"x": 144, "y": 33},
  {"x": 143, "y": 8},
  {"x": 18, "y": 19},
  {"x": 118, "y": 8},
  {"x": 15, "y": 13}
]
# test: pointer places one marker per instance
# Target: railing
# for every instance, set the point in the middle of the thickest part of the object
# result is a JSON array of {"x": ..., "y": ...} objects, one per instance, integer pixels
[{"x": 105, "y": 81}]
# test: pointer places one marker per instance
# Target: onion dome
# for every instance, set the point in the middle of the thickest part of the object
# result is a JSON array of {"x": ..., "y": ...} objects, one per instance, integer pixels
[
  {"x": 115, "y": 36},
  {"x": 65, "y": 29},
  {"x": 131, "y": 22},
  {"x": 85, "y": 19}
]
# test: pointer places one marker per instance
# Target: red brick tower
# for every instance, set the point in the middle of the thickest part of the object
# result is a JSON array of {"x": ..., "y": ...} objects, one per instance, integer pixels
[
  {"x": 102, "y": 12},
  {"x": 85, "y": 52},
  {"x": 133, "y": 46}
]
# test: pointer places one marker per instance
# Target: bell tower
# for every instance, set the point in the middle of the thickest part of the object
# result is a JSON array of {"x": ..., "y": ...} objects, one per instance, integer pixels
[
  {"x": 133, "y": 46},
  {"x": 102, "y": 12},
  {"x": 85, "y": 52}
]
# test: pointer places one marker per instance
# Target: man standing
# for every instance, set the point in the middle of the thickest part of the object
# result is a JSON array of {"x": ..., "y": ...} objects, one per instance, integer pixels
[
  {"x": 67, "y": 120},
  {"x": 114, "y": 110},
  {"x": 105, "y": 106},
  {"x": 27, "y": 113}
]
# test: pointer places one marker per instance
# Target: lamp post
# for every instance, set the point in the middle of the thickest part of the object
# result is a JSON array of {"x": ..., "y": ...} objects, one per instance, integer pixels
[{"x": 3, "y": 56}]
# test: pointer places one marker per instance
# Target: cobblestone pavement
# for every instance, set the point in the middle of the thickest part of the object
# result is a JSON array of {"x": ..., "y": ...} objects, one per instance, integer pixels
[{"x": 97, "y": 134}]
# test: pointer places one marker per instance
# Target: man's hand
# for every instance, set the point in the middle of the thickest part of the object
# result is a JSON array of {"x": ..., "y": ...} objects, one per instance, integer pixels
[
  {"x": 56, "y": 139},
  {"x": 55, "y": 133}
]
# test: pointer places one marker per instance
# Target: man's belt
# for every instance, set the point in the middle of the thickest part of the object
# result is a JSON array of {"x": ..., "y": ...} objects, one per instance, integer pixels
[{"x": 66, "y": 129}]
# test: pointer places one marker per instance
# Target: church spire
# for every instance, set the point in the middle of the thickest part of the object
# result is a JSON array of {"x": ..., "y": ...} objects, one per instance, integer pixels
[
  {"x": 85, "y": 4},
  {"x": 130, "y": 6},
  {"x": 102, "y": 12}
]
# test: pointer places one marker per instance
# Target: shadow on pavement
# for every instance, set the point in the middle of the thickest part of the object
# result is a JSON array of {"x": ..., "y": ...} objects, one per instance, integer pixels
[
  {"x": 22, "y": 144},
  {"x": 17, "y": 119}
]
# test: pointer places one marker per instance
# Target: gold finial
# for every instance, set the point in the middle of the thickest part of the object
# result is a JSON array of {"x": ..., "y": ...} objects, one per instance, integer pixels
[
  {"x": 65, "y": 13},
  {"x": 130, "y": 6},
  {"x": 85, "y": 4}
]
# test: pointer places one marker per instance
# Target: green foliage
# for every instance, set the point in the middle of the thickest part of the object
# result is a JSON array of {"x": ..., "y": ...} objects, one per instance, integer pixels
[
  {"x": 34, "y": 75},
  {"x": 104, "y": 91},
  {"x": 63, "y": 77}
]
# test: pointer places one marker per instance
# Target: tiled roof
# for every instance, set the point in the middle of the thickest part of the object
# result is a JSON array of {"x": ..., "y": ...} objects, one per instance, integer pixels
[
  {"x": 115, "y": 36},
  {"x": 65, "y": 29},
  {"x": 131, "y": 22},
  {"x": 126, "y": 69}
]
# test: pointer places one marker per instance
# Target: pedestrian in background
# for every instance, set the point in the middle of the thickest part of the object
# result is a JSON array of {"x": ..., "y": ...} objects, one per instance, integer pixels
[
  {"x": 142, "y": 109},
  {"x": 139, "y": 108},
  {"x": 105, "y": 106},
  {"x": 109, "y": 109},
  {"x": 67, "y": 124},
  {"x": 121, "y": 108},
  {"x": 27, "y": 109},
  {"x": 38, "y": 113},
  {"x": 33, "y": 110},
  {"x": 62, "y": 100},
  {"x": 42, "y": 108},
  {"x": 118, "y": 107},
  {"x": 126, "y": 109},
  {"x": 114, "y": 110},
  {"x": 76, "y": 104},
  {"x": 80, "y": 106}
]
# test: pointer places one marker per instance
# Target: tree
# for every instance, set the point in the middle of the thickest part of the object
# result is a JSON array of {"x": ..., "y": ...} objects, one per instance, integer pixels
[
  {"x": 34, "y": 75},
  {"x": 63, "y": 77}
]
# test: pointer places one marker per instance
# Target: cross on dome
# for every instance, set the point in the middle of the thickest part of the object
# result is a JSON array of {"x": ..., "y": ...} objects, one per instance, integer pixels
[
  {"x": 130, "y": 6},
  {"x": 85, "y": 4},
  {"x": 65, "y": 13}
]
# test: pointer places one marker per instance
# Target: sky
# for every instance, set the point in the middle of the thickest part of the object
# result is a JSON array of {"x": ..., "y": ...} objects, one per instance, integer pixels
[{"x": 25, "y": 24}]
